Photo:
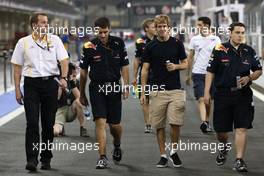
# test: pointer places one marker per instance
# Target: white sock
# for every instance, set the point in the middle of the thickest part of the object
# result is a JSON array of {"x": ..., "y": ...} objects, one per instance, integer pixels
[
  {"x": 164, "y": 155},
  {"x": 172, "y": 151}
]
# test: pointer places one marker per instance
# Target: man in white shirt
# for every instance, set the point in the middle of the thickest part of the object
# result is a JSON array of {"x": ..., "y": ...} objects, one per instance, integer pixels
[
  {"x": 201, "y": 47},
  {"x": 35, "y": 57}
]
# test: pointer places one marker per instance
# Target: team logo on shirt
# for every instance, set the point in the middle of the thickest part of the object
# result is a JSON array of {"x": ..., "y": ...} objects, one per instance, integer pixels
[
  {"x": 97, "y": 58},
  {"x": 220, "y": 47},
  {"x": 116, "y": 56},
  {"x": 245, "y": 62},
  {"x": 224, "y": 59}
]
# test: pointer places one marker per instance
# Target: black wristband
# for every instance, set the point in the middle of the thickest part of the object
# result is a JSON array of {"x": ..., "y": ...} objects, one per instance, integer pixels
[
  {"x": 250, "y": 78},
  {"x": 65, "y": 78},
  {"x": 72, "y": 84}
]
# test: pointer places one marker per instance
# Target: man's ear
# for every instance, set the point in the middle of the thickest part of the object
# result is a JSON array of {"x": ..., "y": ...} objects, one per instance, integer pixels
[{"x": 34, "y": 27}]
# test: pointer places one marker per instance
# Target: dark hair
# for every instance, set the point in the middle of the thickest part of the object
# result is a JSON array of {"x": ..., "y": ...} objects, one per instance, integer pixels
[
  {"x": 71, "y": 68},
  {"x": 34, "y": 18},
  {"x": 205, "y": 20},
  {"x": 102, "y": 22},
  {"x": 233, "y": 25}
]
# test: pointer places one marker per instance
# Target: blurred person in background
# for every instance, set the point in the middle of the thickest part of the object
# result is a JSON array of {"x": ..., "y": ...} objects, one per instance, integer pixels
[{"x": 150, "y": 32}]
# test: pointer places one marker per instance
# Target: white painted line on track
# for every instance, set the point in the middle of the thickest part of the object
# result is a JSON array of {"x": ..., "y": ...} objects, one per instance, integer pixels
[{"x": 11, "y": 115}]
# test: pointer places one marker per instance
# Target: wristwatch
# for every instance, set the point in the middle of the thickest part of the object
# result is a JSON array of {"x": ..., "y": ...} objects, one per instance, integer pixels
[
  {"x": 250, "y": 78},
  {"x": 65, "y": 78}
]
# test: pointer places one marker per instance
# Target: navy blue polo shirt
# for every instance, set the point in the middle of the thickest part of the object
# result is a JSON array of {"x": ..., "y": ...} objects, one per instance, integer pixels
[
  {"x": 105, "y": 61},
  {"x": 228, "y": 62},
  {"x": 156, "y": 53}
]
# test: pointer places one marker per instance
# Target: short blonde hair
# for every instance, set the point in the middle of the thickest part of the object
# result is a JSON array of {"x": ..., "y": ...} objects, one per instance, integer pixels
[
  {"x": 162, "y": 19},
  {"x": 147, "y": 22}
]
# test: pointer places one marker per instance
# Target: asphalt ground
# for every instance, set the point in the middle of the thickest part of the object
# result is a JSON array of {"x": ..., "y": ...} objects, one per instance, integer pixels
[{"x": 140, "y": 150}]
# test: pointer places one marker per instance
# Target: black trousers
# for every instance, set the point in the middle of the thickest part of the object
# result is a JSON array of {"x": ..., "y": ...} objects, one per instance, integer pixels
[{"x": 40, "y": 98}]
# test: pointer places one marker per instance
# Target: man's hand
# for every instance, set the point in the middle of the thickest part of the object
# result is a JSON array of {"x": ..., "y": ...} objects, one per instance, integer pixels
[
  {"x": 134, "y": 82},
  {"x": 19, "y": 96},
  {"x": 84, "y": 101},
  {"x": 63, "y": 83},
  {"x": 143, "y": 99},
  {"x": 207, "y": 98},
  {"x": 125, "y": 93},
  {"x": 171, "y": 67},
  {"x": 244, "y": 80},
  {"x": 188, "y": 80}
]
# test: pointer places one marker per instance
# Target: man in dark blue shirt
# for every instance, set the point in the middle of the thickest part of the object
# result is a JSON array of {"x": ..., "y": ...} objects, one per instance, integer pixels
[
  {"x": 165, "y": 56},
  {"x": 230, "y": 68},
  {"x": 107, "y": 58},
  {"x": 150, "y": 32}
]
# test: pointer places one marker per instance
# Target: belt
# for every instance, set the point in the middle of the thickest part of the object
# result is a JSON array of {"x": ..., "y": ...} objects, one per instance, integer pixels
[
  {"x": 44, "y": 78},
  {"x": 231, "y": 89},
  {"x": 105, "y": 82}
]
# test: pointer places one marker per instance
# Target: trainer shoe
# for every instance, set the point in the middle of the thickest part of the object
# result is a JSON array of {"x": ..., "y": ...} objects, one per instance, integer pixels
[
  {"x": 83, "y": 132},
  {"x": 163, "y": 162},
  {"x": 45, "y": 166},
  {"x": 209, "y": 129},
  {"x": 240, "y": 165},
  {"x": 147, "y": 129},
  {"x": 221, "y": 157},
  {"x": 176, "y": 162},
  {"x": 150, "y": 129},
  {"x": 117, "y": 155},
  {"x": 102, "y": 163},
  {"x": 203, "y": 127},
  {"x": 31, "y": 166}
]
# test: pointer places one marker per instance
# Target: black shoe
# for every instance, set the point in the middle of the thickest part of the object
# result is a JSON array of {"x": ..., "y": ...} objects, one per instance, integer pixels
[
  {"x": 45, "y": 165},
  {"x": 203, "y": 127},
  {"x": 102, "y": 163},
  {"x": 221, "y": 157},
  {"x": 209, "y": 129},
  {"x": 176, "y": 162},
  {"x": 31, "y": 166},
  {"x": 163, "y": 162},
  {"x": 83, "y": 132},
  {"x": 240, "y": 165},
  {"x": 147, "y": 129},
  {"x": 117, "y": 155}
]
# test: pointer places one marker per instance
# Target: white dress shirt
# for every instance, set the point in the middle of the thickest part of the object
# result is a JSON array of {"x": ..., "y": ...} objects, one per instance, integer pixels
[{"x": 39, "y": 58}]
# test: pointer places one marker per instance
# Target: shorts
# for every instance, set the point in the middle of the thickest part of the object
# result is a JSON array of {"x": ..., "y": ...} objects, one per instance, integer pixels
[
  {"x": 64, "y": 114},
  {"x": 165, "y": 105},
  {"x": 199, "y": 84},
  {"x": 104, "y": 105},
  {"x": 233, "y": 110}
]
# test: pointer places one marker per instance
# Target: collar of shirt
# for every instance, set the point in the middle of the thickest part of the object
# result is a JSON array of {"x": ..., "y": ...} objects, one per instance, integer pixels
[
  {"x": 109, "y": 44},
  {"x": 36, "y": 38},
  {"x": 241, "y": 46},
  {"x": 45, "y": 43}
]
